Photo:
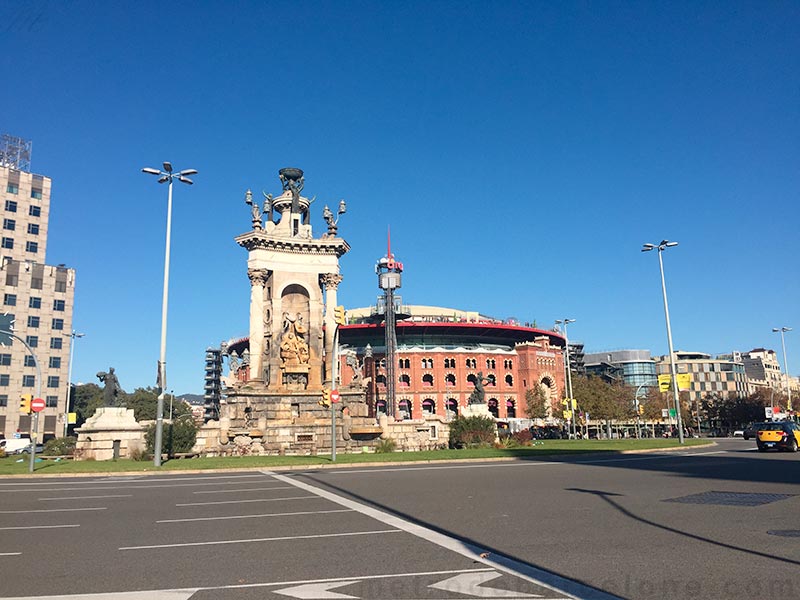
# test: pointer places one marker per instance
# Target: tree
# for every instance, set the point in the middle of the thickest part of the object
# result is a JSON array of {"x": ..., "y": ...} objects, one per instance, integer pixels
[
  {"x": 86, "y": 399},
  {"x": 536, "y": 400},
  {"x": 144, "y": 402},
  {"x": 471, "y": 432}
]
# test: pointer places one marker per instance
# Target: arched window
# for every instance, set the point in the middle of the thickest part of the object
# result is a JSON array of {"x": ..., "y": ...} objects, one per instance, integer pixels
[
  {"x": 492, "y": 379},
  {"x": 490, "y": 364},
  {"x": 493, "y": 407},
  {"x": 450, "y": 380},
  {"x": 380, "y": 407},
  {"x": 509, "y": 380},
  {"x": 381, "y": 380},
  {"x": 405, "y": 363},
  {"x": 452, "y": 406},
  {"x": 471, "y": 363},
  {"x": 427, "y": 380},
  {"x": 429, "y": 406},
  {"x": 405, "y": 380},
  {"x": 404, "y": 407},
  {"x": 471, "y": 378},
  {"x": 511, "y": 409}
]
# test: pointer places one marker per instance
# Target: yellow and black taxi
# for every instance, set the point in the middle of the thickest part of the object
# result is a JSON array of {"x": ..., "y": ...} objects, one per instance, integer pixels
[{"x": 782, "y": 435}]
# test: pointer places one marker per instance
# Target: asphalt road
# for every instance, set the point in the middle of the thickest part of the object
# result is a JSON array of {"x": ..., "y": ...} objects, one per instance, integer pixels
[{"x": 717, "y": 522}]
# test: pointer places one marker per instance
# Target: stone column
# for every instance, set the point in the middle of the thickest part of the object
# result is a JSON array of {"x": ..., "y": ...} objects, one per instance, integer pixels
[
  {"x": 258, "y": 278},
  {"x": 331, "y": 282}
]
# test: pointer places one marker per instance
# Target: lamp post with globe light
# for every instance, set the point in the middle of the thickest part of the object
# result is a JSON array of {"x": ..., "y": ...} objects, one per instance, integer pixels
[
  {"x": 673, "y": 370},
  {"x": 165, "y": 176}
]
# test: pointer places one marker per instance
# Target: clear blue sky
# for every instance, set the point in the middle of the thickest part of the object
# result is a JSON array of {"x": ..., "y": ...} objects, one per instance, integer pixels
[{"x": 521, "y": 152}]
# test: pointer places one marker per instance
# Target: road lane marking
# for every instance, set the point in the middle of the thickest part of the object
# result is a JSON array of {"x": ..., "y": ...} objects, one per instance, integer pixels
[
  {"x": 318, "y": 591},
  {"x": 470, "y": 584},
  {"x": 261, "y": 489},
  {"x": 120, "y": 487},
  {"x": 256, "y": 540},
  {"x": 88, "y": 497},
  {"x": 505, "y": 564},
  {"x": 291, "y": 514},
  {"x": 132, "y": 480},
  {"x": 246, "y": 501},
  {"x": 10, "y": 553},
  {"x": 39, "y": 527},
  {"x": 48, "y": 510}
]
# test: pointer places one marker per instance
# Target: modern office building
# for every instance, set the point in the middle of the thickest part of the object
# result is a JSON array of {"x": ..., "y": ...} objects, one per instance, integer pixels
[
  {"x": 38, "y": 295},
  {"x": 635, "y": 368},
  {"x": 723, "y": 376},
  {"x": 763, "y": 369}
]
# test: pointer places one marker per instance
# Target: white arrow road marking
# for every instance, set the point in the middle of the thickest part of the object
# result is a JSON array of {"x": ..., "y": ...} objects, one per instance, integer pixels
[
  {"x": 317, "y": 591},
  {"x": 468, "y": 583}
]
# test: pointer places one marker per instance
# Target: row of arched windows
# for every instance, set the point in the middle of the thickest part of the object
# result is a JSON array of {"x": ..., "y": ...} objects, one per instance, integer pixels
[
  {"x": 450, "y": 363},
  {"x": 404, "y": 380},
  {"x": 428, "y": 407}
]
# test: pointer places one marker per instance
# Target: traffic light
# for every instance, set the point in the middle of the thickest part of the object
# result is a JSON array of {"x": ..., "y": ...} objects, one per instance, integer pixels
[
  {"x": 641, "y": 409},
  {"x": 326, "y": 398},
  {"x": 339, "y": 315},
  {"x": 25, "y": 404}
]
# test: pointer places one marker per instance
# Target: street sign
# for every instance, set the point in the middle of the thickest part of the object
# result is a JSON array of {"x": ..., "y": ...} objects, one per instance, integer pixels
[
  {"x": 37, "y": 404},
  {"x": 335, "y": 396},
  {"x": 768, "y": 412}
]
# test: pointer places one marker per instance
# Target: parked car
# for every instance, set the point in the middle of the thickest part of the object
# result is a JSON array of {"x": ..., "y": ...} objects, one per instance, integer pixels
[
  {"x": 16, "y": 445},
  {"x": 751, "y": 430},
  {"x": 782, "y": 435}
]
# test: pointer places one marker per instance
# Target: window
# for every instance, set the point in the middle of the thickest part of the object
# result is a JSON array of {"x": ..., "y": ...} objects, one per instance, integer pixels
[
  {"x": 3, "y": 400},
  {"x": 9, "y": 224},
  {"x": 55, "y": 362},
  {"x": 32, "y": 247},
  {"x": 450, "y": 380},
  {"x": 427, "y": 363},
  {"x": 509, "y": 380},
  {"x": 58, "y": 324},
  {"x": 33, "y": 321},
  {"x": 28, "y": 380},
  {"x": 11, "y": 206},
  {"x": 58, "y": 305},
  {"x": 5, "y": 360},
  {"x": 449, "y": 363},
  {"x": 52, "y": 381},
  {"x": 29, "y": 362},
  {"x": 490, "y": 363},
  {"x": 4, "y": 378},
  {"x": 36, "y": 193},
  {"x": 35, "y": 211},
  {"x": 471, "y": 363},
  {"x": 10, "y": 299},
  {"x": 61, "y": 286},
  {"x": 405, "y": 380},
  {"x": 32, "y": 340},
  {"x": 12, "y": 188},
  {"x": 428, "y": 406},
  {"x": 33, "y": 229},
  {"x": 7, "y": 243},
  {"x": 51, "y": 401},
  {"x": 427, "y": 380},
  {"x": 405, "y": 363},
  {"x": 56, "y": 343},
  {"x": 35, "y": 302}
]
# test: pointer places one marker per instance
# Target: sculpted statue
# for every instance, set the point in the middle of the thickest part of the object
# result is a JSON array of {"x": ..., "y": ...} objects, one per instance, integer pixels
[
  {"x": 111, "y": 389},
  {"x": 293, "y": 347},
  {"x": 358, "y": 369},
  {"x": 478, "y": 395},
  {"x": 255, "y": 210}
]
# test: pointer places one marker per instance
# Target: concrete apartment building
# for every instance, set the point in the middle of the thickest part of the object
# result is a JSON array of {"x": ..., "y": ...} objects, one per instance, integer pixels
[{"x": 40, "y": 296}]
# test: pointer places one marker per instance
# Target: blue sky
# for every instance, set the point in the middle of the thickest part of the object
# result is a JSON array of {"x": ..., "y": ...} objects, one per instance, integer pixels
[{"x": 522, "y": 152}]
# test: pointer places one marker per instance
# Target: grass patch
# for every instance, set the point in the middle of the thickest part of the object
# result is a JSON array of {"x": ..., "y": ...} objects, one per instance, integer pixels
[{"x": 10, "y": 466}]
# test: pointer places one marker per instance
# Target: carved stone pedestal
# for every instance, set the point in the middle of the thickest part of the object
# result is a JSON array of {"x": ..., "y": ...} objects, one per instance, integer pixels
[{"x": 112, "y": 432}]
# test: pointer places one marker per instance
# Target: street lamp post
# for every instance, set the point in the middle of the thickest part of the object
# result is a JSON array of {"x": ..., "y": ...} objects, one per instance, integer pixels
[
  {"x": 566, "y": 322},
  {"x": 167, "y": 175},
  {"x": 782, "y": 331},
  {"x": 647, "y": 248},
  {"x": 74, "y": 335}
]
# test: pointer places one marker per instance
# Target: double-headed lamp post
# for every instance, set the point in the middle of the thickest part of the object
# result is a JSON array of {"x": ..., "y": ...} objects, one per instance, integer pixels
[
  {"x": 673, "y": 370},
  {"x": 165, "y": 176},
  {"x": 72, "y": 335},
  {"x": 782, "y": 331},
  {"x": 566, "y": 322}
]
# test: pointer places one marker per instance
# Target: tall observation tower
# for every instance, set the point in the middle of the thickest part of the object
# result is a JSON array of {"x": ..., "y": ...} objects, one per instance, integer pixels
[{"x": 389, "y": 279}]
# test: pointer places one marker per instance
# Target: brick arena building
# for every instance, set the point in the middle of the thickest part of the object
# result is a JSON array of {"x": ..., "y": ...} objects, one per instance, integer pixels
[{"x": 440, "y": 353}]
